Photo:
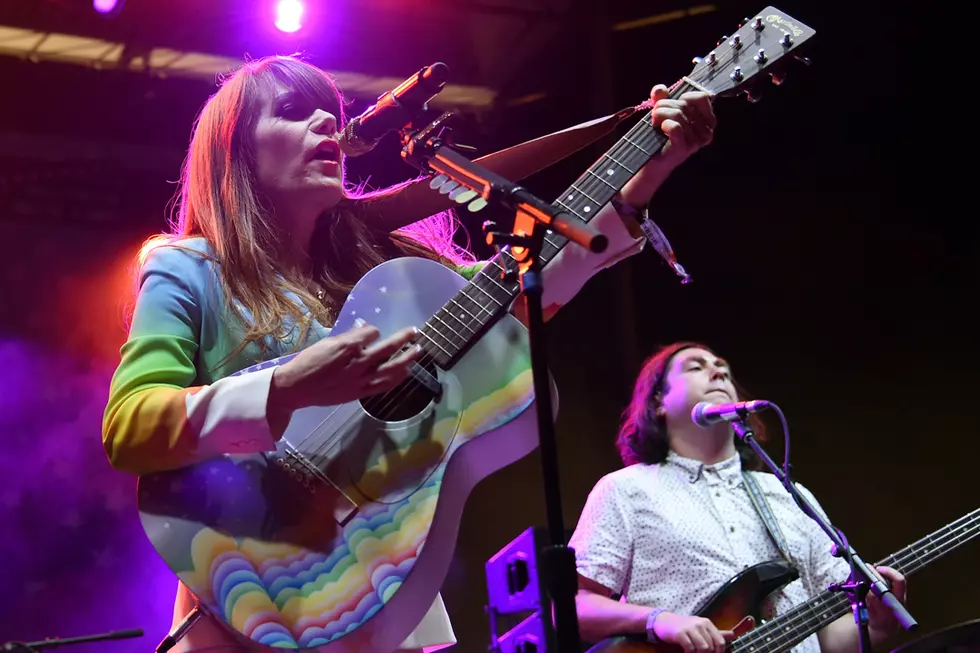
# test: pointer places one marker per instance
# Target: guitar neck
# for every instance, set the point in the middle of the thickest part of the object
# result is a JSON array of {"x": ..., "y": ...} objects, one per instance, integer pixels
[
  {"x": 789, "y": 629},
  {"x": 487, "y": 296}
]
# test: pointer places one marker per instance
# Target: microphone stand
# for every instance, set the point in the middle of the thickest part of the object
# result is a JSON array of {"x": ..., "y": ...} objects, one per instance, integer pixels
[
  {"x": 32, "y": 647},
  {"x": 427, "y": 150},
  {"x": 862, "y": 577}
]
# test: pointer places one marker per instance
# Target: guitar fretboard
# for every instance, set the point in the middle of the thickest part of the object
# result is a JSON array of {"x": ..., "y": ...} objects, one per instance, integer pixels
[
  {"x": 791, "y": 628},
  {"x": 451, "y": 331}
]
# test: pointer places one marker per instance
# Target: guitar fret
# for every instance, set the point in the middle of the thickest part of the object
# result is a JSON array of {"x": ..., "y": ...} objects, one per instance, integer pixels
[
  {"x": 583, "y": 212},
  {"x": 445, "y": 324},
  {"x": 486, "y": 291},
  {"x": 650, "y": 154},
  {"x": 620, "y": 164},
  {"x": 463, "y": 308},
  {"x": 475, "y": 302},
  {"x": 936, "y": 545},
  {"x": 549, "y": 249},
  {"x": 494, "y": 282},
  {"x": 602, "y": 180},
  {"x": 634, "y": 151},
  {"x": 432, "y": 340},
  {"x": 567, "y": 208},
  {"x": 586, "y": 209}
]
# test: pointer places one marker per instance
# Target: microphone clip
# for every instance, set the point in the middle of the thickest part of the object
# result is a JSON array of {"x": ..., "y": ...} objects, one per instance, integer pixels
[{"x": 438, "y": 132}]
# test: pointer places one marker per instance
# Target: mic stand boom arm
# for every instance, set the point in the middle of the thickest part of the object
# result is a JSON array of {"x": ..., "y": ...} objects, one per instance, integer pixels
[
  {"x": 862, "y": 577},
  {"x": 427, "y": 150}
]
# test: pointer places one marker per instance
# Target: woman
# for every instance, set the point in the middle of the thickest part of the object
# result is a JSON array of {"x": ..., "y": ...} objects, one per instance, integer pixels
[{"x": 267, "y": 243}]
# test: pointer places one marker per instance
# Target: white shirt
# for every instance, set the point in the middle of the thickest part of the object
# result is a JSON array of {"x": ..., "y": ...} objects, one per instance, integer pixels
[{"x": 670, "y": 535}]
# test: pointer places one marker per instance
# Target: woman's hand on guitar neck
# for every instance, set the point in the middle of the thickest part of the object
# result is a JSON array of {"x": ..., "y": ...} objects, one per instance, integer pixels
[
  {"x": 339, "y": 369},
  {"x": 689, "y": 123},
  {"x": 691, "y": 633}
]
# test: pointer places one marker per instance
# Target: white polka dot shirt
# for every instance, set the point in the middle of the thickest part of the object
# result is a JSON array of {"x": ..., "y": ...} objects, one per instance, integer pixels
[{"x": 670, "y": 535}]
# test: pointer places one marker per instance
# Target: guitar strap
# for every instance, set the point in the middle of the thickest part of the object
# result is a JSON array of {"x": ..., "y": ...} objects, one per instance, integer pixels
[
  {"x": 414, "y": 200},
  {"x": 765, "y": 511}
]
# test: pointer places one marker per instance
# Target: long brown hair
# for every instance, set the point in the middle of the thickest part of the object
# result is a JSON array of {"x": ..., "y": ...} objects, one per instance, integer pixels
[
  {"x": 219, "y": 200},
  {"x": 642, "y": 434}
]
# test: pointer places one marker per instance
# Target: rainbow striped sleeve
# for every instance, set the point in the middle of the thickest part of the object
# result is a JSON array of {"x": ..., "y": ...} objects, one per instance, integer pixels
[{"x": 156, "y": 417}]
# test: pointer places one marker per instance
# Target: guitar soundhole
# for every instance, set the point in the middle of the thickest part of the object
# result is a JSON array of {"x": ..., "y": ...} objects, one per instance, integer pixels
[{"x": 409, "y": 398}]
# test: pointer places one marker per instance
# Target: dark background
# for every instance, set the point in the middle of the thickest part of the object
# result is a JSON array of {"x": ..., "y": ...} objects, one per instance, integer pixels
[{"x": 833, "y": 288}]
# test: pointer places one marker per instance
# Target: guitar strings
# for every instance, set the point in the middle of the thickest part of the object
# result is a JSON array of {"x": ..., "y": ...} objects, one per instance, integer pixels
[{"x": 815, "y": 610}]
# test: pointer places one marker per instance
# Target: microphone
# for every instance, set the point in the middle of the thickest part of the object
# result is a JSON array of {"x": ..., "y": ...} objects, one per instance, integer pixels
[
  {"x": 393, "y": 110},
  {"x": 705, "y": 414}
]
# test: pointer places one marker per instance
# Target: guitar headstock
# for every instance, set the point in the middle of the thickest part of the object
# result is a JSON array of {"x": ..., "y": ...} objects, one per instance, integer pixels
[{"x": 762, "y": 46}]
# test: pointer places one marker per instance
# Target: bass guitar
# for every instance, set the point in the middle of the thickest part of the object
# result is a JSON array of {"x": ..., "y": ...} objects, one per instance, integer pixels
[
  {"x": 737, "y": 605},
  {"x": 340, "y": 540}
]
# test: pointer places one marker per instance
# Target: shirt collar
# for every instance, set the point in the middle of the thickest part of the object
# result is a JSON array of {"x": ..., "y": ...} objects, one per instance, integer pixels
[{"x": 727, "y": 471}]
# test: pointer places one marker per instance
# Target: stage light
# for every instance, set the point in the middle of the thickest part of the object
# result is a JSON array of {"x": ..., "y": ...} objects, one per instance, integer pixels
[
  {"x": 289, "y": 14},
  {"x": 107, "y": 7}
]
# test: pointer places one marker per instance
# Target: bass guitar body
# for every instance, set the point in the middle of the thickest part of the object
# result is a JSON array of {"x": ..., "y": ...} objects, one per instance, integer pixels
[{"x": 736, "y": 606}]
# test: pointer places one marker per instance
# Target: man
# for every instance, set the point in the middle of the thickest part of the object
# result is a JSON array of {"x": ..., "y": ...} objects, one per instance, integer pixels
[{"x": 668, "y": 530}]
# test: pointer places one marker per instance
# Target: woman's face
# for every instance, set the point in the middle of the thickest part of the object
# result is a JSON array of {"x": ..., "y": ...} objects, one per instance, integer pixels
[{"x": 299, "y": 166}]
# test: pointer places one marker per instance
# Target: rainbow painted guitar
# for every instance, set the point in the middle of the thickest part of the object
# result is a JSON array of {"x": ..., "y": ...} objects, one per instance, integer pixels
[{"x": 340, "y": 540}]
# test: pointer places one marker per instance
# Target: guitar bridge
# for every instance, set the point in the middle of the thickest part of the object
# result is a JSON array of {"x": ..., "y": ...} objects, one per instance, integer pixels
[{"x": 315, "y": 482}]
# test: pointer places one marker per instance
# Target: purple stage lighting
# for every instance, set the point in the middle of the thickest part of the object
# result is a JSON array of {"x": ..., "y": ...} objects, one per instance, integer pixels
[
  {"x": 106, "y": 6},
  {"x": 289, "y": 14}
]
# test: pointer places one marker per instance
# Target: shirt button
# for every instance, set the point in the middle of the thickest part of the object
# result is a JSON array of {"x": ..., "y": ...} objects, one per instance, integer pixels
[
  {"x": 732, "y": 529},
  {"x": 718, "y": 494}
]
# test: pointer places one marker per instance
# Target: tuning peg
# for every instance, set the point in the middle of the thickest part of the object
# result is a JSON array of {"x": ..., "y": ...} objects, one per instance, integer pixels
[
  {"x": 753, "y": 96},
  {"x": 786, "y": 41},
  {"x": 722, "y": 39},
  {"x": 803, "y": 60},
  {"x": 736, "y": 74},
  {"x": 758, "y": 25},
  {"x": 778, "y": 78}
]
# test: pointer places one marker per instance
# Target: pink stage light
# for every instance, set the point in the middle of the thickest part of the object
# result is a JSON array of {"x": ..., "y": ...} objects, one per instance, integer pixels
[
  {"x": 106, "y": 6},
  {"x": 289, "y": 15}
]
